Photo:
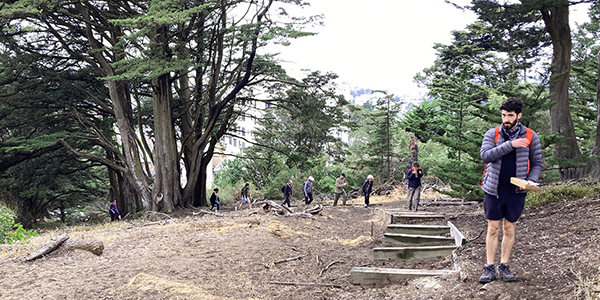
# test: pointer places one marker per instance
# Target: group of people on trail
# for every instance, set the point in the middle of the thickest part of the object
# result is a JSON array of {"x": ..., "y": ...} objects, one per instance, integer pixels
[{"x": 509, "y": 150}]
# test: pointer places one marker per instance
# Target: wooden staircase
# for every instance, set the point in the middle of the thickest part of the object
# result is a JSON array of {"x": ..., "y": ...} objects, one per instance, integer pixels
[{"x": 413, "y": 242}]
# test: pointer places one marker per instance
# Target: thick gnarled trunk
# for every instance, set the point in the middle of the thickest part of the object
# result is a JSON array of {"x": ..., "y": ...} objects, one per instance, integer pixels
[
  {"x": 556, "y": 20},
  {"x": 166, "y": 193}
]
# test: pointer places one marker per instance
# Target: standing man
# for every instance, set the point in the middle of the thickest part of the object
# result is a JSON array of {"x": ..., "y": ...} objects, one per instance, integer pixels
[
  {"x": 307, "y": 188},
  {"x": 340, "y": 183},
  {"x": 245, "y": 198},
  {"x": 287, "y": 193},
  {"x": 367, "y": 187},
  {"x": 414, "y": 176},
  {"x": 511, "y": 150}
]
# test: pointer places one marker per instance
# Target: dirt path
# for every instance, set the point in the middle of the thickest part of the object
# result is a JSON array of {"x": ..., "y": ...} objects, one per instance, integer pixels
[{"x": 210, "y": 257}]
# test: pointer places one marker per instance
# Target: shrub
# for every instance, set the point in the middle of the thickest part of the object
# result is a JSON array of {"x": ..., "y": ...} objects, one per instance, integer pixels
[
  {"x": 10, "y": 231},
  {"x": 563, "y": 192}
]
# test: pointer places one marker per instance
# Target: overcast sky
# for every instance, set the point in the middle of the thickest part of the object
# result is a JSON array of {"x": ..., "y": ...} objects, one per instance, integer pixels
[{"x": 378, "y": 44}]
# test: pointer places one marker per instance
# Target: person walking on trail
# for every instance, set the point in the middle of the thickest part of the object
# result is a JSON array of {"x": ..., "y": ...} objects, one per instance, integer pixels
[
  {"x": 287, "y": 193},
  {"x": 510, "y": 150},
  {"x": 340, "y": 183},
  {"x": 308, "y": 191},
  {"x": 414, "y": 176},
  {"x": 113, "y": 211},
  {"x": 245, "y": 198},
  {"x": 214, "y": 200},
  {"x": 367, "y": 187}
]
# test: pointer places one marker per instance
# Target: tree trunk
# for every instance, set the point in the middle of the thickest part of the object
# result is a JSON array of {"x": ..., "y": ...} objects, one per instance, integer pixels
[
  {"x": 556, "y": 20},
  {"x": 166, "y": 192},
  {"x": 596, "y": 148},
  {"x": 122, "y": 107},
  {"x": 414, "y": 149}
]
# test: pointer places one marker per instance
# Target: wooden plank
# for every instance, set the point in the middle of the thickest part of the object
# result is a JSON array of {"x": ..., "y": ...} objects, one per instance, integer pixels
[
  {"x": 383, "y": 276},
  {"x": 418, "y": 229},
  {"x": 397, "y": 254},
  {"x": 414, "y": 239},
  {"x": 524, "y": 184},
  {"x": 405, "y": 217},
  {"x": 459, "y": 238}
]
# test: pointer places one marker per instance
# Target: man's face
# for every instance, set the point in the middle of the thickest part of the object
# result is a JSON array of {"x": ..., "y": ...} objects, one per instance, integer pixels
[
  {"x": 510, "y": 119},
  {"x": 342, "y": 176}
]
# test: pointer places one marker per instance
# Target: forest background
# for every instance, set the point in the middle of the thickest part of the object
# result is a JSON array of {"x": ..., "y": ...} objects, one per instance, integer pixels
[{"x": 108, "y": 100}]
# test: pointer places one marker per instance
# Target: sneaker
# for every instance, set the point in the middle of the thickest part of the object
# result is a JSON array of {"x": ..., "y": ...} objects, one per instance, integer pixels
[
  {"x": 366, "y": 205},
  {"x": 504, "y": 273},
  {"x": 489, "y": 274}
]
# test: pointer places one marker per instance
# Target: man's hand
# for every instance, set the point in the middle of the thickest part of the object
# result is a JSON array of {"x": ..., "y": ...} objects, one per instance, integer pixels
[{"x": 520, "y": 143}]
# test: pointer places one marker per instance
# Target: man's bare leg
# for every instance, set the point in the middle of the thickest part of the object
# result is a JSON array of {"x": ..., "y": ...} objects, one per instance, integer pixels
[
  {"x": 508, "y": 240},
  {"x": 491, "y": 240}
]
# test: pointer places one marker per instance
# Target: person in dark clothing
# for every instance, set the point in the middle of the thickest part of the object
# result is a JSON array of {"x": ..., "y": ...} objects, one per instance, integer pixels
[
  {"x": 414, "y": 186},
  {"x": 367, "y": 187},
  {"x": 308, "y": 190},
  {"x": 113, "y": 211},
  {"x": 214, "y": 200},
  {"x": 287, "y": 193},
  {"x": 510, "y": 150},
  {"x": 245, "y": 198}
]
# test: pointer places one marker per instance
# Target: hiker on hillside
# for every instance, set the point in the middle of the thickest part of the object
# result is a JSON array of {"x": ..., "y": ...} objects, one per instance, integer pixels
[
  {"x": 340, "y": 183},
  {"x": 214, "y": 200},
  {"x": 113, "y": 211},
  {"x": 245, "y": 198},
  {"x": 367, "y": 187},
  {"x": 414, "y": 176},
  {"x": 287, "y": 193},
  {"x": 308, "y": 192},
  {"x": 511, "y": 150}
]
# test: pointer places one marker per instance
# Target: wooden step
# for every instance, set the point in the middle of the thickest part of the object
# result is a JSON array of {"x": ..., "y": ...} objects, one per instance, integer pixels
[
  {"x": 418, "y": 229},
  {"x": 396, "y": 218},
  {"x": 415, "y": 239},
  {"x": 383, "y": 276},
  {"x": 397, "y": 254}
]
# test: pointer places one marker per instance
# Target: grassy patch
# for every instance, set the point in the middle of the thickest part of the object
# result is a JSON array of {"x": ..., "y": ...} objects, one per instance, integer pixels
[
  {"x": 563, "y": 192},
  {"x": 587, "y": 288}
]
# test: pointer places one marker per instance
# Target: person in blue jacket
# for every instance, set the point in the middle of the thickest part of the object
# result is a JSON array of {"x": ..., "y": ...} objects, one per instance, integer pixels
[
  {"x": 287, "y": 193},
  {"x": 308, "y": 190},
  {"x": 414, "y": 176}
]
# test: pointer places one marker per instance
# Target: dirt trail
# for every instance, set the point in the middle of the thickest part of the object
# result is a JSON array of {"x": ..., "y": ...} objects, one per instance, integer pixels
[{"x": 210, "y": 257}]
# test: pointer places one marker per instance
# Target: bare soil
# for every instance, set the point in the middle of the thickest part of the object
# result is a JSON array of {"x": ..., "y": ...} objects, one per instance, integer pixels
[{"x": 240, "y": 256}]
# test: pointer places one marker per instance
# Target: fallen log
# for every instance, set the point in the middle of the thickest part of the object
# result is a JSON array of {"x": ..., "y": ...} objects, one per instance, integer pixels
[
  {"x": 64, "y": 244},
  {"x": 48, "y": 248},
  {"x": 94, "y": 246},
  {"x": 315, "y": 210},
  {"x": 270, "y": 205}
]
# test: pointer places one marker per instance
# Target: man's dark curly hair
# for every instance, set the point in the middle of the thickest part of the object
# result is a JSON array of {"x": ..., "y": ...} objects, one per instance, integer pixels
[{"x": 512, "y": 104}]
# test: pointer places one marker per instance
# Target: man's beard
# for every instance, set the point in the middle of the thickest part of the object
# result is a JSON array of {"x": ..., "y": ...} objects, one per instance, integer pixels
[{"x": 510, "y": 126}]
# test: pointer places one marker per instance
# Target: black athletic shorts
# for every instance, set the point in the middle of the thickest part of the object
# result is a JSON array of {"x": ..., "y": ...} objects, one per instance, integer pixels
[{"x": 508, "y": 206}]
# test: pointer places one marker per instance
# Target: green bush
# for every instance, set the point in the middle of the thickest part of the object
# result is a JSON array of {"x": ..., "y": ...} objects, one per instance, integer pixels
[
  {"x": 555, "y": 193},
  {"x": 10, "y": 231},
  {"x": 230, "y": 194}
]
